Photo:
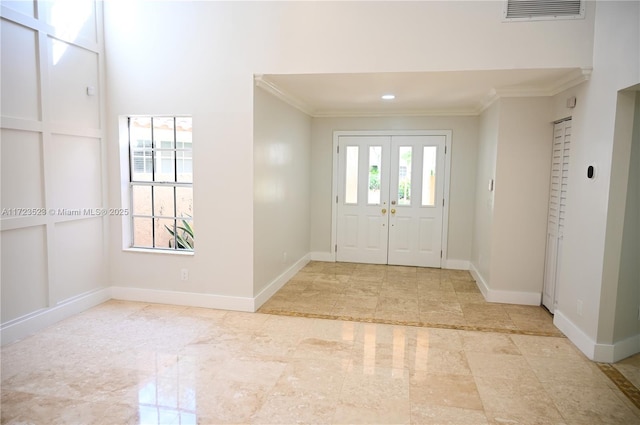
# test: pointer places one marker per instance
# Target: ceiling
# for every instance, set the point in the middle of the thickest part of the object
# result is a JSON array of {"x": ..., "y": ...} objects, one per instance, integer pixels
[{"x": 417, "y": 93}]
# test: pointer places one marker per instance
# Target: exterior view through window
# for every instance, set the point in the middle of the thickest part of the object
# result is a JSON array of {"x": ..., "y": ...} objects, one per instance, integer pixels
[{"x": 161, "y": 182}]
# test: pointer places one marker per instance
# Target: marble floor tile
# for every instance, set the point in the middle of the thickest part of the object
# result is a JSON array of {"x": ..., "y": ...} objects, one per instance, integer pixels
[
  {"x": 27, "y": 408},
  {"x": 134, "y": 363},
  {"x": 591, "y": 405},
  {"x": 517, "y": 401},
  {"x": 379, "y": 395},
  {"x": 630, "y": 369},
  {"x": 440, "y": 306},
  {"x": 255, "y": 368},
  {"x": 324, "y": 376},
  {"x": 450, "y": 320},
  {"x": 465, "y": 286},
  {"x": 226, "y": 402},
  {"x": 445, "y": 390},
  {"x": 396, "y": 413},
  {"x": 295, "y": 407},
  {"x": 445, "y": 298},
  {"x": 426, "y": 286},
  {"x": 539, "y": 346},
  {"x": 485, "y": 342},
  {"x": 445, "y": 362},
  {"x": 506, "y": 366},
  {"x": 366, "y": 289},
  {"x": 317, "y": 348},
  {"x": 443, "y": 339},
  {"x": 431, "y": 414},
  {"x": 568, "y": 370}
]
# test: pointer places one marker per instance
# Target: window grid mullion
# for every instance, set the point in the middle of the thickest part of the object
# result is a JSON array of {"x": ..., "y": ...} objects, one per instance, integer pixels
[
  {"x": 153, "y": 219},
  {"x": 153, "y": 179},
  {"x": 153, "y": 184}
]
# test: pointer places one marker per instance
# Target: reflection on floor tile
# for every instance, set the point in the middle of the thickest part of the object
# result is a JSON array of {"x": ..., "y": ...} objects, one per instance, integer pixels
[
  {"x": 125, "y": 362},
  {"x": 409, "y": 296}
]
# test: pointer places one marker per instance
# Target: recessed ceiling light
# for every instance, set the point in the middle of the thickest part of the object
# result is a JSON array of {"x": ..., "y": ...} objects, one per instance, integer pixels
[{"x": 388, "y": 96}]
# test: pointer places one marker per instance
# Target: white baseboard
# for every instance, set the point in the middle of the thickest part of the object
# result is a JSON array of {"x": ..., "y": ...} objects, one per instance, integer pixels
[
  {"x": 453, "y": 264},
  {"x": 504, "y": 297},
  {"x": 322, "y": 256},
  {"x": 279, "y": 282},
  {"x": 17, "y": 329},
  {"x": 626, "y": 347},
  {"x": 191, "y": 299},
  {"x": 482, "y": 284},
  {"x": 606, "y": 353},
  {"x": 575, "y": 334}
]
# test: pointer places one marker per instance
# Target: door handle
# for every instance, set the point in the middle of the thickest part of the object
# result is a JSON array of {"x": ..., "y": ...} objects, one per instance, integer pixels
[
  {"x": 384, "y": 211},
  {"x": 393, "y": 211}
]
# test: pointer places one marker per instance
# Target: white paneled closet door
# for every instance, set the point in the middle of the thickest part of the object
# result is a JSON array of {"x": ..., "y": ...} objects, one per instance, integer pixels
[{"x": 557, "y": 210}]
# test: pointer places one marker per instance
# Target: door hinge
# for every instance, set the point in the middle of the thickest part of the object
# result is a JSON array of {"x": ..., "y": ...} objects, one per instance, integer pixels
[
  {"x": 336, "y": 247},
  {"x": 338, "y": 149},
  {"x": 443, "y": 202},
  {"x": 445, "y": 150},
  {"x": 440, "y": 254},
  {"x": 336, "y": 199}
]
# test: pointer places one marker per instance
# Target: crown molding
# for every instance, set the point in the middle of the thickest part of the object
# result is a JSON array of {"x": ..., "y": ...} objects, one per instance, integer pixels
[
  {"x": 488, "y": 100},
  {"x": 401, "y": 113},
  {"x": 579, "y": 76},
  {"x": 267, "y": 85},
  {"x": 572, "y": 79}
]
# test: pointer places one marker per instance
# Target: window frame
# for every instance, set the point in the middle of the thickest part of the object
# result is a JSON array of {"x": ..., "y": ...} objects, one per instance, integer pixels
[{"x": 157, "y": 161}]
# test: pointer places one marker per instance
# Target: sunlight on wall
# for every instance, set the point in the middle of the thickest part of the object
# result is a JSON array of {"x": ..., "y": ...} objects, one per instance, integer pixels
[{"x": 68, "y": 17}]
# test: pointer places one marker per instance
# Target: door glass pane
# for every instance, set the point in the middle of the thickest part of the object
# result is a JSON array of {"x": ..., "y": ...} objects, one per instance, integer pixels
[
  {"x": 351, "y": 180},
  {"x": 375, "y": 163},
  {"x": 429, "y": 176},
  {"x": 404, "y": 175}
]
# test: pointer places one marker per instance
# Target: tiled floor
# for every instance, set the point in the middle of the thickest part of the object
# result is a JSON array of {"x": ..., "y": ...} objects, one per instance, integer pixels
[
  {"x": 402, "y": 295},
  {"x": 126, "y": 363},
  {"x": 630, "y": 368}
]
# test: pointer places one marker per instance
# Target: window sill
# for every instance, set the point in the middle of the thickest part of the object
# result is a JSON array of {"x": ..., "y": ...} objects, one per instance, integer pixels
[{"x": 159, "y": 251}]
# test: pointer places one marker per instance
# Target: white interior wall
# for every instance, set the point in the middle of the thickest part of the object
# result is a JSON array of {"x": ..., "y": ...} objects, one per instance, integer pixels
[
  {"x": 510, "y": 221},
  {"x": 627, "y": 323},
  {"x": 154, "y": 70},
  {"x": 463, "y": 163},
  {"x": 52, "y": 148},
  {"x": 484, "y": 199},
  {"x": 618, "y": 191},
  {"x": 582, "y": 280},
  {"x": 523, "y": 167},
  {"x": 281, "y": 156}
]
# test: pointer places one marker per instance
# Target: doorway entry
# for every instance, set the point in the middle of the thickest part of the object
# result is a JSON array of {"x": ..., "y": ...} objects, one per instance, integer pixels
[{"x": 390, "y": 197}]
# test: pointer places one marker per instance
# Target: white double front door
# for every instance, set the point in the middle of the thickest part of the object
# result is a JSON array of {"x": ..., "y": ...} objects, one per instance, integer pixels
[{"x": 390, "y": 199}]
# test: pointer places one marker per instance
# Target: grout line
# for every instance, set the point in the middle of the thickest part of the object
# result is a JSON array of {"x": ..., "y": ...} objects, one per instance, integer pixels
[
  {"x": 411, "y": 323},
  {"x": 621, "y": 381}
]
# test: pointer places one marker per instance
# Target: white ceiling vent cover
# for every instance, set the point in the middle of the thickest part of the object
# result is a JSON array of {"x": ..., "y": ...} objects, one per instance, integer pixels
[{"x": 538, "y": 10}]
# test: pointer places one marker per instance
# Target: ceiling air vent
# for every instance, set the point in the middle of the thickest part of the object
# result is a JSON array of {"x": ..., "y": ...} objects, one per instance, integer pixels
[{"x": 538, "y": 10}]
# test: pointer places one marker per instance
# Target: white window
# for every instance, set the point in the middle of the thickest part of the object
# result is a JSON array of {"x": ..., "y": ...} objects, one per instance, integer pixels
[{"x": 161, "y": 182}]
